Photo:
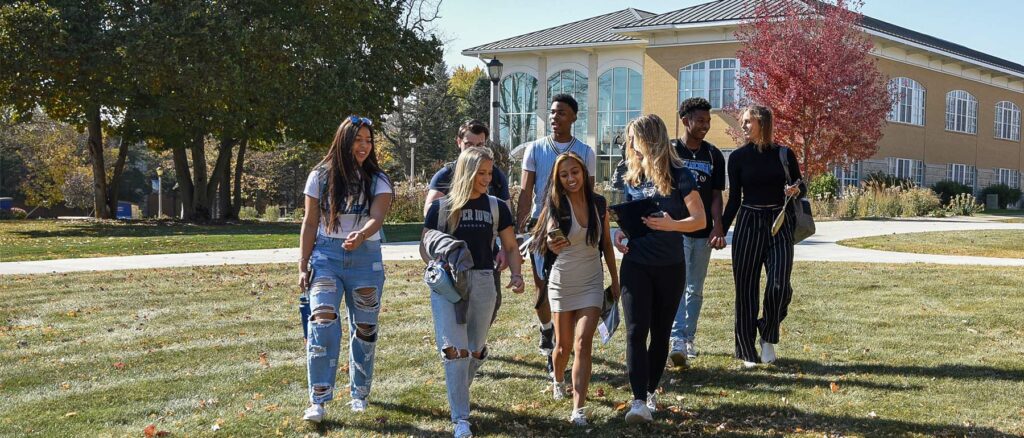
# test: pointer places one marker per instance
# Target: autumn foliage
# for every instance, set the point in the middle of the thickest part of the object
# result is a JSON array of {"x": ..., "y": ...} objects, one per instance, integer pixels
[{"x": 810, "y": 63}]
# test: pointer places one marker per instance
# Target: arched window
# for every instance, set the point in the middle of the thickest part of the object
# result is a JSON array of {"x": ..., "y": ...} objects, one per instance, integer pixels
[
  {"x": 714, "y": 80},
  {"x": 961, "y": 112},
  {"x": 909, "y": 103},
  {"x": 518, "y": 109},
  {"x": 1007, "y": 121},
  {"x": 573, "y": 83},
  {"x": 619, "y": 93}
]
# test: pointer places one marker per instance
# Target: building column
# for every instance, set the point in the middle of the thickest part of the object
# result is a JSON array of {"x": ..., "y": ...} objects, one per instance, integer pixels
[
  {"x": 542, "y": 96},
  {"x": 592, "y": 100}
]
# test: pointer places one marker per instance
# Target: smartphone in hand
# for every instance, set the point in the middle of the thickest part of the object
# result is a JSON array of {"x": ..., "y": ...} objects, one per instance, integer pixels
[
  {"x": 556, "y": 235},
  {"x": 657, "y": 214}
]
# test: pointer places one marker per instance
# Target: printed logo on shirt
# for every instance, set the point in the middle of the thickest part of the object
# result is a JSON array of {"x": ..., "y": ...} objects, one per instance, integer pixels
[
  {"x": 476, "y": 219},
  {"x": 701, "y": 170}
]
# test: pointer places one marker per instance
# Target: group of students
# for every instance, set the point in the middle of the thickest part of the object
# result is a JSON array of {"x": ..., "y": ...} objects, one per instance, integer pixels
[{"x": 660, "y": 278}]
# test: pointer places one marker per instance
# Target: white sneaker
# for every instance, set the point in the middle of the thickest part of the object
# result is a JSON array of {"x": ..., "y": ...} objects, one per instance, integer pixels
[
  {"x": 652, "y": 401},
  {"x": 691, "y": 350},
  {"x": 462, "y": 429},
  {"x": 578, "y": 418},
  {"x": 638, "y": 413},
  {"x": 678, "y": 353},
  {"x": 749, "y": 365},
  {"x": 557, "y": 390},
  {"x": 767, "y": 352},
  {"x": 314, "y": 413},
  {"x": 359, "y": 405}
]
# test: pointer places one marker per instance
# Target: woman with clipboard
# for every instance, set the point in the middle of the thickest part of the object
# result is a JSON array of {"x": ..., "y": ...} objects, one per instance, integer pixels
[{"x": 653, "y": 269}]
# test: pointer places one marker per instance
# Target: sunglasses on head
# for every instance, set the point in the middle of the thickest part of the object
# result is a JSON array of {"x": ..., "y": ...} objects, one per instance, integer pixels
[{"x": 356, "y": 120}]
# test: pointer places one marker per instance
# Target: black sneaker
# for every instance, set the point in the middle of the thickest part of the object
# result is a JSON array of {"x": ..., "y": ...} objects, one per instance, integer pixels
[
  {"x": 547, "y": 341},
  {"x": 551, "y": 367}
]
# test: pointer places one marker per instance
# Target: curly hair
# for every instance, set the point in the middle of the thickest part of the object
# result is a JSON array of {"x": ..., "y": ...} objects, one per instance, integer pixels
[{"x": 693, "y": 104}]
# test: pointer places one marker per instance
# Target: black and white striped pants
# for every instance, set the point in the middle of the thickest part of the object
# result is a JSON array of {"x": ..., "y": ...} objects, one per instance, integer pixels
[{"x": 753, "y": 246}]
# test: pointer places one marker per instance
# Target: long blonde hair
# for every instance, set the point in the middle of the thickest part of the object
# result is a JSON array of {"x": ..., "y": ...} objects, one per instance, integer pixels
[
  {"x": 648, "y": 133},
  {"x": 461, "y": 189}
]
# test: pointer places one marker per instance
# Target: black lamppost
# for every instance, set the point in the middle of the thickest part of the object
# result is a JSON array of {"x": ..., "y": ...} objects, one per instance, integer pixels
[{"x": 494, "y": 73}]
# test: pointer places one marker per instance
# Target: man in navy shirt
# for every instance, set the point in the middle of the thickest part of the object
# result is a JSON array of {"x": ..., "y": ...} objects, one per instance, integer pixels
[{"x": 707, "y": 165}]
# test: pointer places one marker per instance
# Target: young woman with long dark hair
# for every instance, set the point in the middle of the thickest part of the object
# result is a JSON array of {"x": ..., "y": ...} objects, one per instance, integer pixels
[
  {"x": 347, "y": 198},
  {"x": 573, "y": 228}
]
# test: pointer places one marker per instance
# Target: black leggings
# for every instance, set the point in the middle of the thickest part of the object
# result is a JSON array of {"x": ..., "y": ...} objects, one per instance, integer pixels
[
  {"x": 753, "y": 247},
  {"x": 650, "y": 297}
]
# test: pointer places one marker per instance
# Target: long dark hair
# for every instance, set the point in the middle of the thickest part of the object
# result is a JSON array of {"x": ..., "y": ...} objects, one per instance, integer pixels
[
  {"x": 346, "y": 180},
  {"x": 556, "y": 204}
]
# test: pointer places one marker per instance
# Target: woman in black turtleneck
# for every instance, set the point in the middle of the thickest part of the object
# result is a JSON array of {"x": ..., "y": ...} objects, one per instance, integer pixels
[{"x": 757, "y": 193}]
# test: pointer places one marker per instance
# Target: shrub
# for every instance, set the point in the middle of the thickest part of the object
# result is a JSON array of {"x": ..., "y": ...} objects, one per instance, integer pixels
[
  {"x": 272, "y": 213},
  {"x": 407, "y": 205},
  {"x": 248, "y": 213},
  {"x": 825, "y": 184},
  {"x": 964, "y": 204},
  {"x": 918, "y": 201},
  {"x": 948, "y": 189},
  {"x": 875, "y": 179},
  {"x": 297, "y": 214},
  {"x": 14, "y": 214},
  {"x": 880, "y": 201},
  {"x": 1007, "y": 195}
]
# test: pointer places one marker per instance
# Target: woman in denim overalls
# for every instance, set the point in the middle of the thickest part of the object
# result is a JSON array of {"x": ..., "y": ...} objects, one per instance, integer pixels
[{"x": 347, "y": 197}]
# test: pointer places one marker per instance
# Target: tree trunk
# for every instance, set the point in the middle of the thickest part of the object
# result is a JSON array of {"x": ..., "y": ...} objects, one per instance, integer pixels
[
  {"x": 222, "y": 166},
  {"x": 236, "y": 202},
  {"x": 200, "y": 203},
  {"x": 99, "y": 172},
  {"x": 115, "y": 177},
  {"x": 184, "y": 178},
  {"x": 225, "y": 194}
]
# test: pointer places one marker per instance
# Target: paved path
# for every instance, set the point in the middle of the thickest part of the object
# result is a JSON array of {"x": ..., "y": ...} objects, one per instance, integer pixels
[{"x": 820, "y": 247}]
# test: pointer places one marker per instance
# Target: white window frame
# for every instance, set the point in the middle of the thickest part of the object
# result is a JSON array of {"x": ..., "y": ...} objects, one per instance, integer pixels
[
  {"x": 526, "y": 117},
  {"x": 909, "y": 103},
  {"x": 1010, "y": 177},
  {"x": 907, "y": 168},
  {"x": 849, "y": 175},
  {"x": 707, "y": 71},
  {"x": 1007, "y": 121},
  {"x": 962, "y": 173},
  {"x": 961, "y": 112}
]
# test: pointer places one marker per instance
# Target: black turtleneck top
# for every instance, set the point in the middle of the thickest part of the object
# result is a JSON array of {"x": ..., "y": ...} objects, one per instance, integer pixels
[{"x": 757, "y": 178}]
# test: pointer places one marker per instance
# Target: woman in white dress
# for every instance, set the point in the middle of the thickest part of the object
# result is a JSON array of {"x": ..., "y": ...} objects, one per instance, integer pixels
[{"x": 573, "y": 230}]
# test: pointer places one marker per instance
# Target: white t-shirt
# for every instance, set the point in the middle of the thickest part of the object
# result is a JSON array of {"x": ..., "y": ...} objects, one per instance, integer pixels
[
  {"x": 539, "y": 158},
  {"x": 349, "y": 219}
]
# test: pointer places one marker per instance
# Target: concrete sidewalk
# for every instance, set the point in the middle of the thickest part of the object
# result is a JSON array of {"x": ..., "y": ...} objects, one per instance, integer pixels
[{"x": 820, "y": 247}]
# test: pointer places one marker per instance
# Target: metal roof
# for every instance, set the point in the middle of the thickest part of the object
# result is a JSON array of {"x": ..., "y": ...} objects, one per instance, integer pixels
[
  {"x": 587, "y": 31},
  {"x": 735, "y": 10}
]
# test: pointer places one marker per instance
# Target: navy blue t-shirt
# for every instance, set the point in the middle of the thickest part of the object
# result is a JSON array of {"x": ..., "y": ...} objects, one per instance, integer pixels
[
  {"x": 476, "y": 227},
  {"x": 661, "y": 248},
  {"x": 443, "y": 179}
]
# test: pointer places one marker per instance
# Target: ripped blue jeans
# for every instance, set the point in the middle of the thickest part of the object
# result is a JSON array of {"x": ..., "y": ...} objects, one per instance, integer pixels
[{"x": 358, "y": 276}]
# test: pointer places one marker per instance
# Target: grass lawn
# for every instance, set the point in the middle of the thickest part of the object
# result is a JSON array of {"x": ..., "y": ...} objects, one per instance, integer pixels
[
  {"x": 868, "y": 350},
  {"x": 50, "y": 239},
  {"x": 984, "y": 243}
]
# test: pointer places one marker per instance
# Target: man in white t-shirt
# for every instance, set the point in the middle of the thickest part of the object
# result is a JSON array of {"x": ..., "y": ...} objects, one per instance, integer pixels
[{"x": 538, "y": 163}]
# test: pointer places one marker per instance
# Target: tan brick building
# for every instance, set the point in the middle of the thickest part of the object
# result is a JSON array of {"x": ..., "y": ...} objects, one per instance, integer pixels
[{"x": 958, "y": 118}]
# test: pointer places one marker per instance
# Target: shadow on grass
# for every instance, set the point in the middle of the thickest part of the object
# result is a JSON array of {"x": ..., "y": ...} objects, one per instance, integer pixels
[
  {"x": 944, "y": 371},
  {"x": 157, "y": 228}
]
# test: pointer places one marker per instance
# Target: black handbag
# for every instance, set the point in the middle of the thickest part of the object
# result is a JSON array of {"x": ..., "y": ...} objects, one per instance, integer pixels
[{"x": 804, "y": 226}]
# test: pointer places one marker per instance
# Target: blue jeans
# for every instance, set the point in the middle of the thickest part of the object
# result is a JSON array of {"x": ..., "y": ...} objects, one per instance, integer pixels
[
  {"x": 358, "y": 277},
  {"x": 466, "y": 339},
  {"x": 698, "y": 255}
]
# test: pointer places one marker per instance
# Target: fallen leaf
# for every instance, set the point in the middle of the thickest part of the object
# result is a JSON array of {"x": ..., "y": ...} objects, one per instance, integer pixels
[
  {"x": 149, "y": 431},
  {"x": 70, "y": 414},
  {"x": 119, "y": 365},
  {"x": 621, "y": 406},
  {"x": 872, "y": 414},
  {"x": 65, "y": 386},
  {"x": 599, "y": 393},
  {"x": 834, "y": 386},
  {"x": 263, "y": 359}
]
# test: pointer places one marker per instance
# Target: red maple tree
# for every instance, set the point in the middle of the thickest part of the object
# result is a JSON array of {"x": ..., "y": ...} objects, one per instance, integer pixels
[{"x": 810, "y": 62}]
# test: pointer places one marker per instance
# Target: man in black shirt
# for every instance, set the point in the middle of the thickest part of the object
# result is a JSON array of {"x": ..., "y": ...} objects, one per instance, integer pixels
[{"x": 707, "y": 165}]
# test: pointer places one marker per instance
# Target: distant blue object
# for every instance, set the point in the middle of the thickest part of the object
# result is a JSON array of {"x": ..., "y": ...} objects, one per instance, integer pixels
[
  {"x": 304, "y": 314},
  {"x": 124, "y": 210},
  {"x": 6, "y": 204}
]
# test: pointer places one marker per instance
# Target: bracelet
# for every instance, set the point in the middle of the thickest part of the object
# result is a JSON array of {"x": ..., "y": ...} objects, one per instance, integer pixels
[{"x": 517, "y": 275}]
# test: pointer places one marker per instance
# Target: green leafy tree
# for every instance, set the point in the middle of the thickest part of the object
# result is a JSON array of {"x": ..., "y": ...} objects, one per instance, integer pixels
[
  {"x": 431, "y": 115},
  {"x": 479, "y": 100},
  {"x": 65, "y": 57}
]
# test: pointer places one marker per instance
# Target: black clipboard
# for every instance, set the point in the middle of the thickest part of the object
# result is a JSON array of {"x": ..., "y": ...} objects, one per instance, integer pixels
[{"x": 629, "y": 216}]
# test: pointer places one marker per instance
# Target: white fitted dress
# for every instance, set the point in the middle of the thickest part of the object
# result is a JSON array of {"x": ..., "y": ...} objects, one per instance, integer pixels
[{"x": 577, "y": 277}]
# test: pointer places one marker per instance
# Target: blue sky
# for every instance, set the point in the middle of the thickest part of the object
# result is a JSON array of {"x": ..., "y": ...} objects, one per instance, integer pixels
[{"x": 990, "y": 26}]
